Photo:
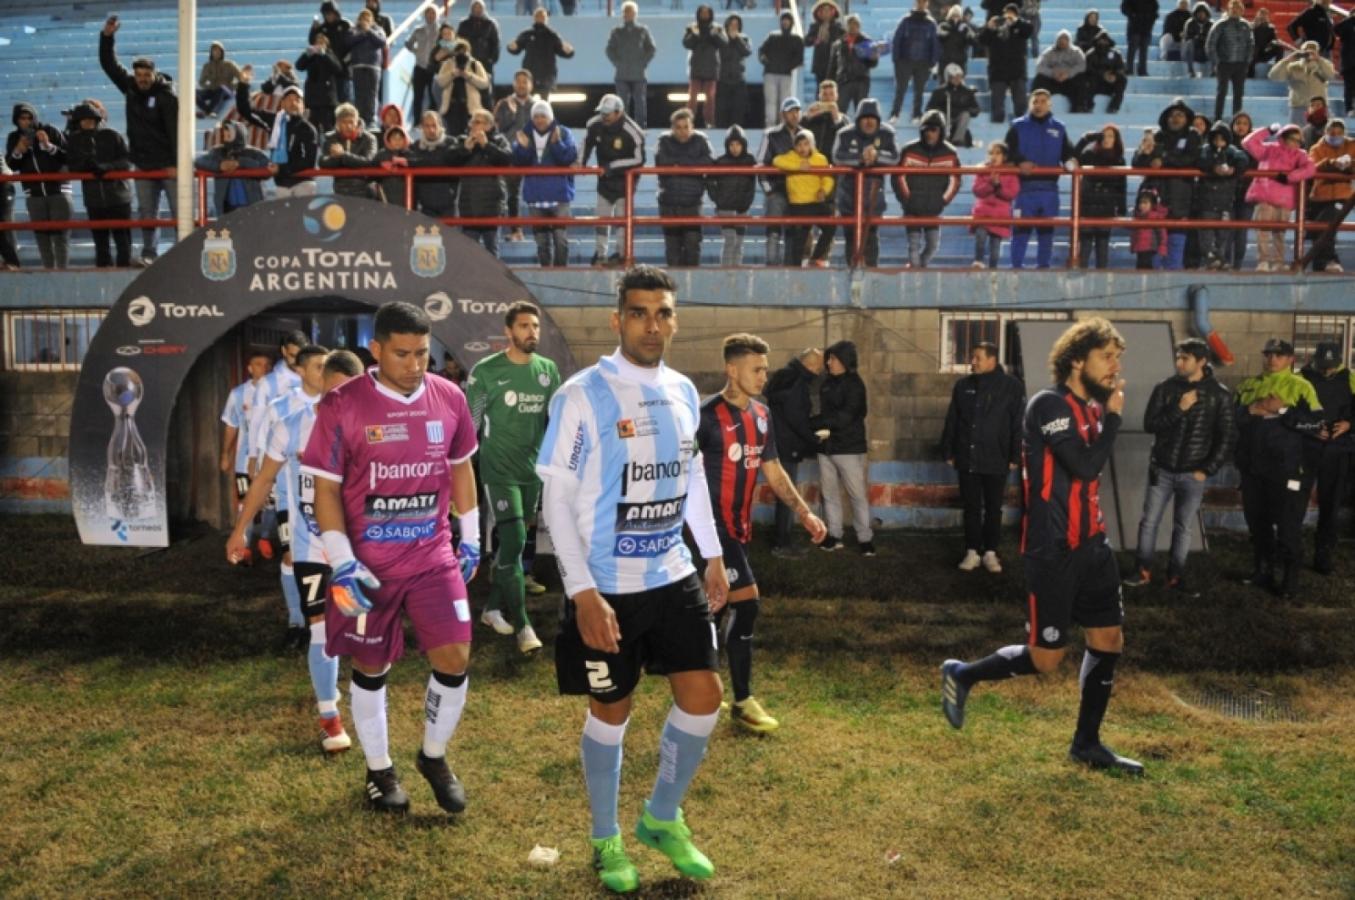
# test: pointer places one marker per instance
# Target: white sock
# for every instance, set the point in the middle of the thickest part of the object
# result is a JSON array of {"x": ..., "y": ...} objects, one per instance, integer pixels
[
  {"x": 442, "y": 711},
  {"x": 369, "y": 720}
]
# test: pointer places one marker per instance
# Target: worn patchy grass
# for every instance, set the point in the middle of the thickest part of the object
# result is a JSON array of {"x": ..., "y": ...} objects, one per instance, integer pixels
[{"x": 154, "y": 742}]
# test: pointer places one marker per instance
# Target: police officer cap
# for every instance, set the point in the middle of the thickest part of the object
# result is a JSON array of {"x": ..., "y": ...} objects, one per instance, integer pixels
[
  {"x": 1327, "y": 355},
  {"x": 1280, "y": 346}
]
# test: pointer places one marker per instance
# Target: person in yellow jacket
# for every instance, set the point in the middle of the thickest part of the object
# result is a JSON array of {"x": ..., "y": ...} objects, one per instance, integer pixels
[
  {"x": 1334, "y": 154},
  {"x": 807, "y": 193}
]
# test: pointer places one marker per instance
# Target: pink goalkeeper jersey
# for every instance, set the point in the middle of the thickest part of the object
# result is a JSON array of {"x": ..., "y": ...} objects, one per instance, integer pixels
[{"x": 393, "y": 455}]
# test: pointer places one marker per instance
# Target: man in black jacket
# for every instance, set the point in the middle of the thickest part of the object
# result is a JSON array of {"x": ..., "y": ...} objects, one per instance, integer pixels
[
  {"x": 982, "y": 441},
  {"x": 1141, "y": 19},
  {"x": 540, "y": 45},
  {"x": 293, "y": 144},
  {"x": 841, "y": 425},
  {"x": 337, "y": 31},
  {"x": 775, "y": 141},
  {"x": 620, "y": 145},
  {"x": 1005, "y": 39},
  {"x": 1191, "y": 419},
  {"x": 789, "y": 395},
  {"x": 92, "y": 147},
  {"x": 152, "y": 120},
  {"x": 1326, "y": 455},
  {"x": 680, "y": 195}
]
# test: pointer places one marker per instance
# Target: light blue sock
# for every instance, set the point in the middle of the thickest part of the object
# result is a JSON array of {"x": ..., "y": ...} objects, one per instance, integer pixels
[
  {"x": 324, "y": 673},
  {"x": 601, "y": 751},
  {"x": 681, "y": 747},
  {"x": 292, "y": 594}
]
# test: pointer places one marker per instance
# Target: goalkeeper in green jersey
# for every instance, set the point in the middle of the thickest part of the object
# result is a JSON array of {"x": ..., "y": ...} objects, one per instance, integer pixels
[{"x": 509, "y": 393}]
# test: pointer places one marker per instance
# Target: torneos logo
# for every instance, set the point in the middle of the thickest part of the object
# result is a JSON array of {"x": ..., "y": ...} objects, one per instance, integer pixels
[
  {"x": 438, "y": 306},
  {"x": 141, "y": 311}
]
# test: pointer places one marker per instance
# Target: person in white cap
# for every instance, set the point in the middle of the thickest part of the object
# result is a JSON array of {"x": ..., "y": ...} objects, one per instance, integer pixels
[
  {"x": 547, "y": 143},
  {"x": 620, "y": 145}
]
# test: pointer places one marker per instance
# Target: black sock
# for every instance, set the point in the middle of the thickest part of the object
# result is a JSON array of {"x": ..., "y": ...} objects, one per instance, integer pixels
[
  {"x": 1098, "y": 677},
  {"x": 1005, "y": 663},
  {"x": 739, "y": 646}
]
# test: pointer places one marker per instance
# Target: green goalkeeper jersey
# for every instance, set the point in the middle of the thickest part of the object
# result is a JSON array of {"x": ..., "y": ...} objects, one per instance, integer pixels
[{"x": 508, "y": 403}]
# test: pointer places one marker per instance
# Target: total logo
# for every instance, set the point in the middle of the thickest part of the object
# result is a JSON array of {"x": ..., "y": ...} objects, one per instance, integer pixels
[
  {"x": 142, "y": 311},
  {"x": 438, "y": 306}
]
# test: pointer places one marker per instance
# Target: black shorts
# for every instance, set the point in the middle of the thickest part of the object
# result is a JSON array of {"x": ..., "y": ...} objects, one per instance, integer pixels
[
  {"x": 284, "y": 532},
  {"x": 1079, "y": 587},
  {"x": 737, "y": 569},
  {"x": 312, "y": 580},
  {"x": 664, "y": 630}
]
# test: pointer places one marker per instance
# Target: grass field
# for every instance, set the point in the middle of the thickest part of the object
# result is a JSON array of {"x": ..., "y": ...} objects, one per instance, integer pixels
[{"x": 154, "y": 742}]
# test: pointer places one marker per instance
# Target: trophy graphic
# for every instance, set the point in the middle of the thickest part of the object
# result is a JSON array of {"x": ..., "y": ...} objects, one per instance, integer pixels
[{"x": 129, "y": 490}]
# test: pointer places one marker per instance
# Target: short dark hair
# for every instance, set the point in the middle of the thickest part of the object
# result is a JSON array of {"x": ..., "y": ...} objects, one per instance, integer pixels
[
  {"x": 343, "y": 362},
  {"x": 309, "y": 350},
  {"x": 398, "y": 317},
  {"x": 988, "y": 347},
  {"x": 1194, "y": 346},
  {"x": 143, "y": 62},
  {"x": 742, "y": 344},
  {"x": 1075, "y": 344},
  {"x": 529, "y": 75},
  {"x": 681, "y": 112},
  {"x": 294, "y": 339},
  {"x": 643, "y": 277},
  {"x": 520, "y": 308},
  {"x": 258, "y": 351}
]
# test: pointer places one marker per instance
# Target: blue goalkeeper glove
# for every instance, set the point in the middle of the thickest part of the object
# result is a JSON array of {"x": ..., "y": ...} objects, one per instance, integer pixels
[
  {"x": 346, "y": 588},
  {"x": 468, "y": 555}
]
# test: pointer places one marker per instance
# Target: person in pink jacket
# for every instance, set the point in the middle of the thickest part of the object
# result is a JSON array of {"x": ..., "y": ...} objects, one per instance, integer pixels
[
  {"x": 1279, "y": 151},
  {"x": 995, "y": 193}
]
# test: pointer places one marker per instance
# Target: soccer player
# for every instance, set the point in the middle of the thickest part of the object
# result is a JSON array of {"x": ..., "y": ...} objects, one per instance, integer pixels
[
  {"x": 235, "y": 440},
  {"x": 1071, "y": 574},
  {"x": 279, "y": 381},
  {"x": 390, "y": 449},
  {"x": 736, "y": 441},
  {"x": 509, "y": 393},
  {"x": 621, "y": 476},
  {"x": 298, "y": 534}
]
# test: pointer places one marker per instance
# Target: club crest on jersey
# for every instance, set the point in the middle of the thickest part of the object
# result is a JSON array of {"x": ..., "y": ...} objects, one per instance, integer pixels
[
  {"x": 625, "y": 428},
  {"x": 761, "y": 425},
  {"x": 434, "y": 430},
  {"x": 543, "y": 379}
]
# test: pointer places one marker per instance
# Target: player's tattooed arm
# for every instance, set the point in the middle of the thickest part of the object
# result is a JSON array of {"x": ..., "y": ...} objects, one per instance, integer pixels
[{"x": 785, "y": 491}]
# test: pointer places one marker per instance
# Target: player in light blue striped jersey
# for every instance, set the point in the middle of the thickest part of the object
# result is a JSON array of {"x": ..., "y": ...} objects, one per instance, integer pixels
[
  {"x": 236, "y": 438},
  {"x": 306, "y": 572},
  {"x": 622, "y": 476}
]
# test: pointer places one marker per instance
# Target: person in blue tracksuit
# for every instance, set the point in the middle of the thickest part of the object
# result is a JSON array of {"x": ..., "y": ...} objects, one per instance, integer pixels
[{"x": 1037, "y": 140}]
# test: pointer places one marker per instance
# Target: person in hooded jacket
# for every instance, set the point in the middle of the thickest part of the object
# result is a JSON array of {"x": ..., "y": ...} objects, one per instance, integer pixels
[
  {"x": 152, "y": 130},
  {"x": 422, "y": 41},
  {"x": 1326, "y": 455},
  {"x": 850, "y": 63},
  {"x": 781, "y": 53},
  {"x": 547, "y": 143},
  {"x": 981, "y": 440},
  {"x": 1334, "y": 153},
  {"x": 1102, "y": 198},
  {"x": 394, "y": 156},
  {"x": 957, "y": 38},
  {"x": 733, "y": 195},
  {"x": 620, "y": 145},
  {"x": 732, "y": 88},
  {"x": 704, "y": 40},
  {"x": 1278, "y": 151},
  {"x": 869, "y": 143},
  {"x": 1190, "y": 417},
  {"x": 1222, "y": 164},
  {"x": 433, "y": 148},
  {"x": 232, "y": 152},
  {"x": 841, "y": 426},
  {"x": 483, "y": 196},
  {"x": 293, "y": 143},
  {"x": 36, "y": 148},
  {"x": 336, "y": 29},
  {"x": 1106, "y": 74},
  {"x": 540, "y": 45},
  {"x": 1175, "y": 146},
  {"x": 1086, "y": 32},
  {"x": 926, "y": 195},
  {"x": 680, "y": 195},
  {"x": 959, "y": 103},
  {"x": 824, "y": 31},
  {"x": 791, "y": 394},
  {"x": 1196, "y": 49},
  {"x": 348, "y": 146},
  {"x": 462, "y": 80},
  {"x": 216, "y": 82},
  {"x": 1060, "y": 70},
  {"x": 93, "y": 147},
  {"x": 1241, "y": 126},
  {"x": 323, "y": 74}
]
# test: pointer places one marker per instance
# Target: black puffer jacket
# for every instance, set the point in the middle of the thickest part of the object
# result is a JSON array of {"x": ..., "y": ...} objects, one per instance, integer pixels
[
  {"x": 436, "y": 196},
  {"x": 482, "y": 196},
  {"x": 99, "y": 151},
  {"x": 1102, "y": 198},
  {"x": 36, "y": 160},
  {"x": 789, "y": 397},
  {"x": 682, "y": 190},
  {"x": 1199, "y": 439},
  {"x": 822, "y": 38},
  {"x": 704, "y": 39},
  {"x": 1217, "y": 193},
  {"x": 983, "y": 424},
  {"x": 1179, "y": 149},
  {"x": 782, "y": 52},
  {"x": 1336, "y": 392},
  {"x": 323, "y": 71},
  {"x": 736, "y": 49},
  {"x": 619, "y": 146},
  {"x": 152, "y": 115},
  {"x": 358, "y": 152},
  {"x": 734, "y": 192},
  {"x": 1006, "y": 49},
  {"x": 842, "y": 405},
  {"x": 927, "y": 195}
]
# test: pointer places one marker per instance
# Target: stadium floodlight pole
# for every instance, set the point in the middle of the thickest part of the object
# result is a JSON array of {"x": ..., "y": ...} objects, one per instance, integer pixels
[{"x": 183, "y": 162}]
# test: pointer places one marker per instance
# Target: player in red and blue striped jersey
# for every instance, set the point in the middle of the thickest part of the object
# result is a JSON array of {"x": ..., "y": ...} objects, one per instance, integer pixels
[{"x": 1071, "y": 574}]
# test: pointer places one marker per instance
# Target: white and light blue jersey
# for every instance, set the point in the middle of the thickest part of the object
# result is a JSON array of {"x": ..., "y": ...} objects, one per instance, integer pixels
[
  {"x": 238, "y": 414},
  {"x": 631, "y": 447},
  {"x": 274, "y": 410},
  {"x": 296, "y": 490},
  {"x": 280, "y": 380}
]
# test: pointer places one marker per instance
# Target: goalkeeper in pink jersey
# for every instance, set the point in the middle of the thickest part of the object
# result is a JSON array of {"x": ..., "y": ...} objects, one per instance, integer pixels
[{"x": 389, "y": 451}]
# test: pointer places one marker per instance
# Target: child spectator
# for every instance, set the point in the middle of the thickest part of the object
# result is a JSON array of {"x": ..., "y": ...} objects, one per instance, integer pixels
[
  {"x": 995, "y": 194},
  {"x": 1149, "y": 242},
  {"x": 92, "y": 147},
  {"x": 231, "y": 153},
  {"x": 1222, "y": 164},
  {"x": 926, "y": 195},
  {"x": 733, "y": 194},
  {"x": 1102, "y": 198},
  {"x": 1277, "y": 150},
  {"x": 394, "y": 156},
  {"x": 808, "y": 195}
]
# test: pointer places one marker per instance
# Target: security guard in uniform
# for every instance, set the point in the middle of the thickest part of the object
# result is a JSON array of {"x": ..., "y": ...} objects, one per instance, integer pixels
[
  {"x": 1326, "y": 455},
  {"x": 1275, "y": 410}
]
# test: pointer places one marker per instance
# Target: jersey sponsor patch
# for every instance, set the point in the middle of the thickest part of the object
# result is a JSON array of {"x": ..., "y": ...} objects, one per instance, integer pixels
[
  {"x": 401, "y": 532},
  {"x": 388, "y": 434},
  {"x": 400, "y": 506},
  {"x": 648, "y": 529},
  {"x": 1054, "y": 426}
]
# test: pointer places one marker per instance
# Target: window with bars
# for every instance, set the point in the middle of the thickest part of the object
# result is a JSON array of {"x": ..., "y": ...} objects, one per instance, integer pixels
[
  {"x": 1311, "y": 330},
  {"x": 49, "y": 340},
  {"x": 960, "y": 331}
]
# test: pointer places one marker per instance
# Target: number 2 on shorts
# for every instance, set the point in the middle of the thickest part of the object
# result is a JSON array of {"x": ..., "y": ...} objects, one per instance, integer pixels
[{"x": 599, "y": 675}]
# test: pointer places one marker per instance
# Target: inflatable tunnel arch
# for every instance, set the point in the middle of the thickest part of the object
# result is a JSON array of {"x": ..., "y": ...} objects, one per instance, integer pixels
[{"x": 251, "y": 260}]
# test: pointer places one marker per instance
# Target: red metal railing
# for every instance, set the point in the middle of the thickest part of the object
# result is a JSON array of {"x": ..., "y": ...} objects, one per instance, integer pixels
[{"x": 859, "y": 220}]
